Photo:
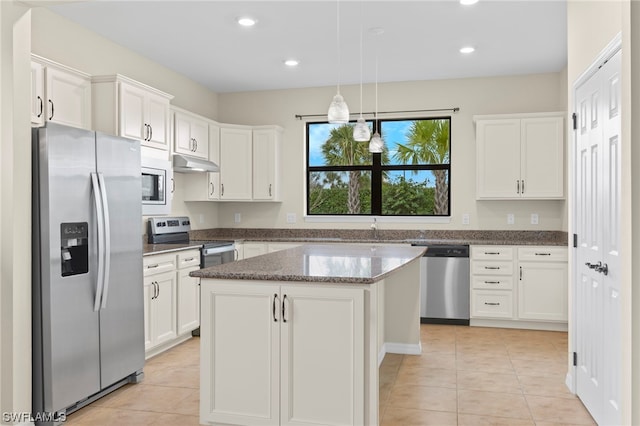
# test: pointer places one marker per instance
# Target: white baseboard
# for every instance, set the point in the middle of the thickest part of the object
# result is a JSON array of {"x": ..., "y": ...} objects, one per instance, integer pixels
[
  {"x": 398, "y": 348},
  {"x": 526, "y": 325},
  {"x": 568, "y": 381}
]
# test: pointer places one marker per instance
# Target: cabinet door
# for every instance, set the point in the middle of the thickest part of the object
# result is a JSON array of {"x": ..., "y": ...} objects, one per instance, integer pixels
[
  {"x": 164, "y": 308},
  {"x": 157, "y": 117},
  {"x": 37, "y": 99},
  {"x": 498, "y": 159},
  {"x": 265, "y": 152},
  {"x": 68, "y": 98},
  {"x": 200, "y": 135},
  {"x": 132, "y": 111},
  {"x": 322, "y": 353},
  {"x": 149, "y": 291},
  {"x": 188, "y": 301},
  {"x": 235, "y": 164},
  {"x": 542, "y": 291},
  {"x": 542, "y": 144},
  {"x": 182, "y": 142},
  {"x": 240, "y": 331}
]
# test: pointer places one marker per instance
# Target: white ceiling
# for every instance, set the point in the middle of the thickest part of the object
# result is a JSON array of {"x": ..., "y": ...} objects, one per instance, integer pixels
[{"x": 421, "y": 39}]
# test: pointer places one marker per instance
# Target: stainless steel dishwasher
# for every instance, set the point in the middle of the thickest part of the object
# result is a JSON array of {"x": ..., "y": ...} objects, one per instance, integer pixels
[{"x": 444, "y": 285}]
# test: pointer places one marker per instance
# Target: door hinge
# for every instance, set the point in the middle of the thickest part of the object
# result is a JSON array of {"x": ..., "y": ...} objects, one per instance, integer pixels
[
  {"x": 574, "y": 118},
  {"x": 575, "y": 240},
  {"x": 575, "y": 359}
]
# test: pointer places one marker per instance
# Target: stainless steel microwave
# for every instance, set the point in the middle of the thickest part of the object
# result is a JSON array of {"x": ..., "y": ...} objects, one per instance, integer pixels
[{"x": 157, "y": 186}]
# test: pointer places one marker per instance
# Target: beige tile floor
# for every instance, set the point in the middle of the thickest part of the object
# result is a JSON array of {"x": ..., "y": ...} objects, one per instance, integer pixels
[{"x": 465, "y": 376}]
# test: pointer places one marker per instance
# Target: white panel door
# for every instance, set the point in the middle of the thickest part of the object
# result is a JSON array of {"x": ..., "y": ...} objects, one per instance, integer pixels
[
  {"x": 164, "y": 308},
  {"x": 132, "y": 110},
  {"x": 240, "y": 330},
  {"x": 322, "y": 345},
  {"x": 68, "y": 98},
  {"x": 157, "y": 118},
  {"x": 542, "y": 143},
  {"x": 188, "y": 301},
  {"x": 542, "y": 291},
  {"x": 235, "y": 164},
  {"x": 498, "y": 159},
  {"x": 264, "y": 164},
  {"x": 597, "y": 218}
]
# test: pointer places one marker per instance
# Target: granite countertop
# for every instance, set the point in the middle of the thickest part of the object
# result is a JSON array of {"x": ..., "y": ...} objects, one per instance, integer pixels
[
  {"x": 328, "y": 263},
  {"x": 149, "y": 249}
]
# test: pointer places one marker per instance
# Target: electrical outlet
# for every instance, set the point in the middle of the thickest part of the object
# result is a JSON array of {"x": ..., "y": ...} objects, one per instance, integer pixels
[
  {"x": 510, "y": 219},
  {"x": 534, "y": 218},
  {"x": 465, "y": 219},
  {"x": 291, "y": 218},
  {"x": 237, "y": 218}
]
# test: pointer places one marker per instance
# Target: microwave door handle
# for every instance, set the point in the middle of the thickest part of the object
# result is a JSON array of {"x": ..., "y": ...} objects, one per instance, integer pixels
[
  {"x": 107, "y": 239},
  {"x": 99, "y": 216}
]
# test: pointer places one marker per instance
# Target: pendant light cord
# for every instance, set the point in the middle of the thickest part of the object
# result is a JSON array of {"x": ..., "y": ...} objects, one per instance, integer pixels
[
  {"x": 361, "y": 19},
  {"x": 376, "y": 113},
  {"x": 338, "y": 41}
]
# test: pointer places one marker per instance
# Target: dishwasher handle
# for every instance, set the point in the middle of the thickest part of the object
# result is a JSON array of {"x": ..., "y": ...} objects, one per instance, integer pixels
[{"x": 446, "y": 250}]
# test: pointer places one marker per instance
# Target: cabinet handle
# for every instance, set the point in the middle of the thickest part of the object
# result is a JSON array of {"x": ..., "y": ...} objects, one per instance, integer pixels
[
  {"x": 146, "y": 132},
  {"x": 236, "y": 254},
  {"x": 158, "y": 287},
  {"x": 195, "y": 149},
  {"x": 492, "y": 267},
  {"x": 523, "y": 186},
  {"x": 543, "y": 254},
  {"x": 492, "y": 252},
  {"x": 41, "y": 107},
  {"x": 273, "y": 307},
  {"x": 173, "y": 185},
  {"x": 492, "y": 282},
  {"x": 269, "y": 190},
  {"x": 150, "y": 132},
  {"x": 152, "y": 266},
  {"x": 189, "y": 259},
  {"x": 52, "y": 109},
  {"x": 517, "y": 186},
  {"x": 284, "y": 301},
  {"x": 492, "y": 303},
  {"x": 222, "y": 190},
  {"x": 211, "y": 186},
  {"x": 521, "y": 273}
]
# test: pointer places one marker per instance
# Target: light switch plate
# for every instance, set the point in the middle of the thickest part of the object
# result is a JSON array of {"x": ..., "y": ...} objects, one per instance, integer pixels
[
  {"x": 534, "y": 218},
  {"x": 237, "y": 218},
  {"x": 465, "y": 219},
  {"x": 510, "y": 219},
  {"x": 291, "y": 218}
]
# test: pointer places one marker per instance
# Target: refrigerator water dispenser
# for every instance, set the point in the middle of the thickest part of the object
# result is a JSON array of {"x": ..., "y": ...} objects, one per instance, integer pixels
[{"x": 74, "y": 250}]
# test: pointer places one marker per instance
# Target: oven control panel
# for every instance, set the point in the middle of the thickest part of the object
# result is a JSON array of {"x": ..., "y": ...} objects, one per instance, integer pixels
[{"x": 168, "y": 225}]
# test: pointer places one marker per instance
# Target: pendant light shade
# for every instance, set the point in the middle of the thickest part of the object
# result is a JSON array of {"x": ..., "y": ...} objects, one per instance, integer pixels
[
  {"x": 361, "y": 131},
  {"x": 338, "y": 110},
  {"x": 376, "y": 145}
]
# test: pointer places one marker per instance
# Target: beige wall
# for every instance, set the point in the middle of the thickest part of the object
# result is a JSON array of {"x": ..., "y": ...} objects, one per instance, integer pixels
[
  {"x": 592, "y": 25},
  {"x": 514, "y": 94}
]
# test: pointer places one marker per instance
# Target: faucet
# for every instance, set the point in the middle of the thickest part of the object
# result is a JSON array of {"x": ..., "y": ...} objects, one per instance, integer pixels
[{"x": 374, "y": 228}]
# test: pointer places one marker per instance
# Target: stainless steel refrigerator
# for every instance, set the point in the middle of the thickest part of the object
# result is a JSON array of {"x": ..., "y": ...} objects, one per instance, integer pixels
[{"x": 88, "y": 318}]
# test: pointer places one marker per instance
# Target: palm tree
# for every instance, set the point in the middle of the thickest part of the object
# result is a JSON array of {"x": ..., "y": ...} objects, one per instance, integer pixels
[
  {"x": 341, "y": 150},
  {"x": 428, "y": 143}
]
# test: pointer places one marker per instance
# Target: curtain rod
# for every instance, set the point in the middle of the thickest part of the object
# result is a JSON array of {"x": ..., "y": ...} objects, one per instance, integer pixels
[{"x": 454, "y": 110}]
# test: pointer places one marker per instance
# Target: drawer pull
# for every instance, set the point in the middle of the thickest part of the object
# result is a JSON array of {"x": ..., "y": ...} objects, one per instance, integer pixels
[
  {"x": 492, "y": 267},
  {"x": 492, "y": 252},
  {"x": 543, "y": 254},
  {"x": 492, "y": 303},
  {"x": 492, "y": 282},
  {"x": 189, "y": 259},
  {"x": 152, "y": 266}
]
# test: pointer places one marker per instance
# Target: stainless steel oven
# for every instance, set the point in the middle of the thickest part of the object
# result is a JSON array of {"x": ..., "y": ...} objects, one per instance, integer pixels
[
  {"x": 156, "y": 181},
  {"x": 217, "y": 253}
]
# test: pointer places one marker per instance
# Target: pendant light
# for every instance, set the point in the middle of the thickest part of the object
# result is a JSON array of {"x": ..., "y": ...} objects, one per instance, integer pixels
[
  {"x": 361, "y": 131},
  {"x": 338, "y": 109},
  {"x": 376, "y": 145}
]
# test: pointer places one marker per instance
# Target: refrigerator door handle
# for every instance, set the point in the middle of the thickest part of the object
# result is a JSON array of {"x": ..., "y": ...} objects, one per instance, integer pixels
[
  {"x": 99, "y": 213},
  {"x": 107, "y": 239}
]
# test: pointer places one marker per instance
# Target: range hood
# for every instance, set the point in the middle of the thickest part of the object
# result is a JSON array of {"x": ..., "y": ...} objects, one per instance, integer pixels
[{"x": 186, "y": 164}]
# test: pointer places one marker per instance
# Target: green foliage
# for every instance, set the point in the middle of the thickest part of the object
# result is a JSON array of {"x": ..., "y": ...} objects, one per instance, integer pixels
[{"x": 405, "y": 197}]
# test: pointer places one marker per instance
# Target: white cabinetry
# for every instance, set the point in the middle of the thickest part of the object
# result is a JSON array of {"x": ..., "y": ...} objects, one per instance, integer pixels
[
  {"x": 159, "y": 299},
  {"x": 236, "y": 154},
  {"x": 188, "y": 291},
  {"x": 282, "y": 354},
  {"x": 131, "y": 109},
  {"x": 191, "y": 134},
  {"x": 543, "y": 283},
  {"x": 205, "y": 186},
  {"x": 492, "y": 282},
  {"x": 59, "y": 94},
  {"x": 266, "y": 163},
  {"x": 520, "y": 156}
]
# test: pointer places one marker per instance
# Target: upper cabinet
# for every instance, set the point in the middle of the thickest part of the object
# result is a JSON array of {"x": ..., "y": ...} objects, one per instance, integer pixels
[
  {"x": 520, "y": 156},
  {"x": 266, "y": 162},
  {"x": 131, "y": 109},
  {"x": 59, "y": 94},
  {"x": 236, "y": 154},
  {"x": 191, "y": 134}
]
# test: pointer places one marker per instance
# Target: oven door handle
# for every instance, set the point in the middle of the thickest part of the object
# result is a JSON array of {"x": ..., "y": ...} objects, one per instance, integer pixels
[{"x": 216, "y": 250}]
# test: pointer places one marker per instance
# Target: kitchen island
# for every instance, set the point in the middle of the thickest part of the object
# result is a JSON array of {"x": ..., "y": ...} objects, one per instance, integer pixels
[{"x": 296, "y": 336}]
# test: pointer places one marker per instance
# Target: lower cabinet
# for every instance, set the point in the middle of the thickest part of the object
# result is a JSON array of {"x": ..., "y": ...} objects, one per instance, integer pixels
[
  {"x": 543, "y": 284},
  {"x": 160, "y": 309},
  {"x": 188, "y": 292},
  {"x": 275, "y": 354}
]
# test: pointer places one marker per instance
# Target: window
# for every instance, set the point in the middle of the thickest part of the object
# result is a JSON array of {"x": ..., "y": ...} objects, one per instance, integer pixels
[{"x": 410, "y": 178}]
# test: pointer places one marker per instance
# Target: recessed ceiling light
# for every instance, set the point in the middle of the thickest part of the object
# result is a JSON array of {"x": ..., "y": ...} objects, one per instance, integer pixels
[
  {"x": 467, "y": 49},
  {"x": 246, "y": 21},
  {"x": 468, "y": 2},
  {"x": 292, "y": 62}
]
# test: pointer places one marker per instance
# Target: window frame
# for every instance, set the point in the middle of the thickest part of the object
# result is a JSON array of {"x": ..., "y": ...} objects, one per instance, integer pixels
[{"x": 377, "y": 169}]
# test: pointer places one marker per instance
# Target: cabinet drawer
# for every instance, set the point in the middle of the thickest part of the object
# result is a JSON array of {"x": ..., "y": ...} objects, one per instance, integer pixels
[
  {"x": 491, "y": 268},
  {"x": 158, "y": 264},
  {"x": 492, "y": 304},
  {"x": 488, "y": 282},
  {"x": 543, "y": 254},
  {"x": 491, "y": 252},
  {"x": 188, "y": 258}
]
